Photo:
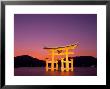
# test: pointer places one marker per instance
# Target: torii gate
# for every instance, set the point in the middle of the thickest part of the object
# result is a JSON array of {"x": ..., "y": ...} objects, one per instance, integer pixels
[{"x": 60, "y": 51}]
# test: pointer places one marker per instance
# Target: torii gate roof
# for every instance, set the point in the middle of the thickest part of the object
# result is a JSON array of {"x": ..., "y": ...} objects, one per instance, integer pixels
[{"x": 71, "y": 46}]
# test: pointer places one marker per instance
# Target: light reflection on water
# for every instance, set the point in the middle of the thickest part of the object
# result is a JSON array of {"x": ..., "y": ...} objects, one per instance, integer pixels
[
  {"x": 40, "y": 71},
  {"x": 59, "y": 73}
]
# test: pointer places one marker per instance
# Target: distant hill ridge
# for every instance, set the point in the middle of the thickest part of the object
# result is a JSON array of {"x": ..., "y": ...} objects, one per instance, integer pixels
[{"x": 28, "y": 61}]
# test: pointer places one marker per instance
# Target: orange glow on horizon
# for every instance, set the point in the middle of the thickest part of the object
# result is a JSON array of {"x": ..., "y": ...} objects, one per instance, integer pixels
[
  {"x": 42, "y": 56},
  {"x": 34, "y": 54}
]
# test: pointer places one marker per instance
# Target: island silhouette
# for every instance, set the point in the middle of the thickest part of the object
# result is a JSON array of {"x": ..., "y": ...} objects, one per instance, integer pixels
[{"x": 28, "y": 61}]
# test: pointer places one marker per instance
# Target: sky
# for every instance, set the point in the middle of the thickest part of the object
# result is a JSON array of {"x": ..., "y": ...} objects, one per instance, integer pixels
[{"x": 33, "y": 32}]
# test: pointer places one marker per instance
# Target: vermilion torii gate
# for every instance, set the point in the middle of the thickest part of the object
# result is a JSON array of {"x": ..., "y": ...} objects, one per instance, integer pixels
[{"x": 58, "y": 52}]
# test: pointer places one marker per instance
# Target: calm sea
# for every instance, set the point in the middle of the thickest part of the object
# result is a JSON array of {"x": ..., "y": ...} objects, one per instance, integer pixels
[{"x": 40, "y": 71}]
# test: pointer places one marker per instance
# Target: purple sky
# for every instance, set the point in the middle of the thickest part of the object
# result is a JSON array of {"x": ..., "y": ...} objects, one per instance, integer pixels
[{"x": 34, "y": 31}]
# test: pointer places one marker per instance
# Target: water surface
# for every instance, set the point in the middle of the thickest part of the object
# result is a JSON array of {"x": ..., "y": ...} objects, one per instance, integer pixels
[{"x": 40, "y": 71}]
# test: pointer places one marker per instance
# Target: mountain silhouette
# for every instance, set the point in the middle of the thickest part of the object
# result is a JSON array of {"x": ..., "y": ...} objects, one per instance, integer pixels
[
  {"x": 28, "y": 61},
  {"x": 85, "y": 61},
  {"x": 79, "y": 61}
]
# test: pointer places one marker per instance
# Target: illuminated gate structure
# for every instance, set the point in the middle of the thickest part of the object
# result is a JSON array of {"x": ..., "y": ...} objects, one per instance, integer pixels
[{"x": 66, "y": 64}]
